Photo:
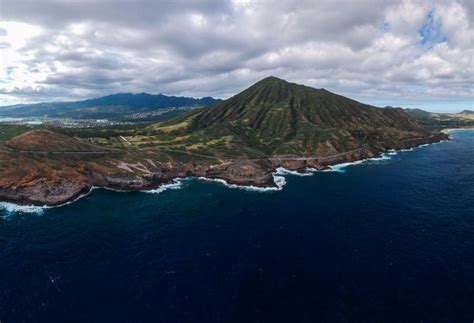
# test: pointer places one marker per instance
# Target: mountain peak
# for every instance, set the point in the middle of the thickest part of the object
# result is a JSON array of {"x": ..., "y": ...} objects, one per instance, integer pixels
[
  {"x": 272, "y": 78},
  {"x": 272, "y": 81},
  {"x": 276, "y": 81}
]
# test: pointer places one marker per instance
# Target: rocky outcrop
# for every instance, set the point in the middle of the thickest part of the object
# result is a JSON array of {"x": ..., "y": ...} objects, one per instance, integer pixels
[
  {"x": 244, "y": 172},
  {"x": 413, "y": 142},
  {"x": 45, "y": 194}
]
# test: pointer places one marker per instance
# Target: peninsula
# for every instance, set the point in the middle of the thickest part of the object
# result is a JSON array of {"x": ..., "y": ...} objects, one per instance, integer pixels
[{"x": 241, "y": 140}]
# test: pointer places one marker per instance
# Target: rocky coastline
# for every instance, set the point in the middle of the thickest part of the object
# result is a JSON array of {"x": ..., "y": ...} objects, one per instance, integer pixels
[{"x": 243, "y": 172}]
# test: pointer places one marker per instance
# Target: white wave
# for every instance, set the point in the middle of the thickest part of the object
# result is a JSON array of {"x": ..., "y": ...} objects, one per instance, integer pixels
[
  {"x": 340, "y": 168},
  {"x": 75, "y": 200},
  {"x": 382, "y": 157},
  {"x": 419, "y": 146},
  {"x": 177, "y": 184},
  {"x": 113, "y": 189},
  {"x": 284, "y": 171},
  {"x": 11, "y": 208},
  {"x": 280, "y": 181},
  {"x": 441, "y": 141},
  {"x": 314, "y": 170},
  {"x": 447, "y": 131}
]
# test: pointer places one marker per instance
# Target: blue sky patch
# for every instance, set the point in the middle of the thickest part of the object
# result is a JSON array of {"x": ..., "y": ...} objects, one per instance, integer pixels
[{"x": 430, "y": 32}]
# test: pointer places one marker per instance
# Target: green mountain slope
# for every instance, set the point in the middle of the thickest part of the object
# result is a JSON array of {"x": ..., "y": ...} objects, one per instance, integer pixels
[
  {"x": 419, "y": 114},
  {"x": 275, "y": 117}
]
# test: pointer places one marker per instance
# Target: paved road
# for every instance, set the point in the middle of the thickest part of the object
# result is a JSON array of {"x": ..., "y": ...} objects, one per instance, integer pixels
[
  {"x": 221, "y": 159},
  {"x": 80, "y": 152},
  {"x": 430, "y": 136},
  {"x": 192, "y": 154},
  {"x": 318, "y": 157}
]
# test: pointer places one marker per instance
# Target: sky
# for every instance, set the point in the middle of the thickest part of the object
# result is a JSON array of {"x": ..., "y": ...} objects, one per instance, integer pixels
[{"x": 410, "y": 53}]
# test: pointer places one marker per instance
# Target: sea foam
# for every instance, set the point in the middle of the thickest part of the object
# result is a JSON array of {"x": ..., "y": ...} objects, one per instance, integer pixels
[
  {"x": 284, "y": 171},
  {"x": 177, "y": 184},
  {"x": 11, "y": 208},
  {"x": 382, "y": 157},
  {"x": 280, "y": 181},
  {"x": 341, "y": 168},
  {"x": 449, "y": 130}
]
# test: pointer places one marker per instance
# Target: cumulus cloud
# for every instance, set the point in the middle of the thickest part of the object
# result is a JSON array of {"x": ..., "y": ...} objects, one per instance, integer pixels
[{"x": 408, "y": 52}]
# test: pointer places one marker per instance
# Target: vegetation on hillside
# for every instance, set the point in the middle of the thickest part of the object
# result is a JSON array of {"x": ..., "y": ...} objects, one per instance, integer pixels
[
  {"x": 275, "y": 117},
  {"x": 437, "y": 121}
]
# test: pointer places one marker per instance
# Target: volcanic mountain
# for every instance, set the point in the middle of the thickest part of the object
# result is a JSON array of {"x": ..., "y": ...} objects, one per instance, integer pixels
[{"x": 274, "y": 117}]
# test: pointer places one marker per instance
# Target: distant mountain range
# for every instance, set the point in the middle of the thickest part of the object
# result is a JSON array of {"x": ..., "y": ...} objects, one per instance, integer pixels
[{"x": 115, "y": 106}]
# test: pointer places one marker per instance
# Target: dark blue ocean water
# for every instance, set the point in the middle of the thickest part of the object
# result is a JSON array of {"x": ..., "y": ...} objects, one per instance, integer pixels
[{"x": 386, "y": 241}]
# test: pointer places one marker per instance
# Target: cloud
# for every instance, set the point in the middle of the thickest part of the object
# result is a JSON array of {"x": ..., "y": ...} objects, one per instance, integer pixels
[{"x": 409, "y": 51}]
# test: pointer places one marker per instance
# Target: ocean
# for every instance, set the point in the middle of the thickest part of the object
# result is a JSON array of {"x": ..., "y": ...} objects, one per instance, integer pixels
[{"x": 386, "y": 240}]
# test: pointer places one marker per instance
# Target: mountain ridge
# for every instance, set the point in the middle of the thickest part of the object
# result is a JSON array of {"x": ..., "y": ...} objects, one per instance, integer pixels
[{"x": 112, "y": 105}]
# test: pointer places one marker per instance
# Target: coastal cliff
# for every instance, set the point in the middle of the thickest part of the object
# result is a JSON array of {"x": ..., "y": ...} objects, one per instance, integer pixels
[{"x": 42, "y": 185}]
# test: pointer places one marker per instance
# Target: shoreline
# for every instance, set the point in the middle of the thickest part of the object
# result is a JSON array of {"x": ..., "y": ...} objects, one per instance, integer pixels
[
  {"x": 449, "y": 130},
  {"x": 277, "y": 174}
]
